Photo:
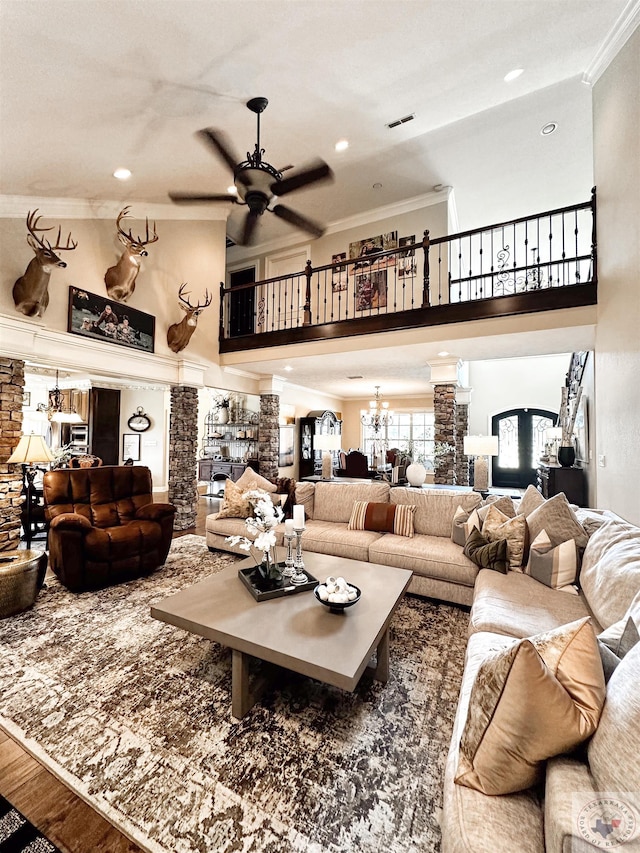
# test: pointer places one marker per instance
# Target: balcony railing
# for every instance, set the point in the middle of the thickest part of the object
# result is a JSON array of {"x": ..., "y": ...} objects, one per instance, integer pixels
[{"x": 536, "y": 263}]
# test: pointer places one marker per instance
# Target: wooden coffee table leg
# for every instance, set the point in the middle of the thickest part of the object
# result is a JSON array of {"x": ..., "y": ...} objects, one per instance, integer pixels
[
  {"x": 381, "y": 672},
  {"x": 243, "y": 695}
]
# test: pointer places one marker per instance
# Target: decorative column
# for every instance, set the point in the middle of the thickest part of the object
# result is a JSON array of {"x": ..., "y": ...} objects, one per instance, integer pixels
[
  {"x": 183, "y": 444},
  {"x": 463, "y": 396},
  {"x": 445, "y": 380},
  {"x": 11, "y": 394},
  {"x": 269, "y": 435}
]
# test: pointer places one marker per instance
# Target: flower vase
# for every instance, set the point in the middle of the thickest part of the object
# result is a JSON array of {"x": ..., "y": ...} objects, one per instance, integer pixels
[
  {"x": 566, "y": 455},
  {"x": 416, "y": 474},
  {"x": 223, "y": 415},
  {"x": 269, "y": 569}
]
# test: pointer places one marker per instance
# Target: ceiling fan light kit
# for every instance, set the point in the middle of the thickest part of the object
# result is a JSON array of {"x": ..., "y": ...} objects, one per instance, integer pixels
[{"x": 257, "y": 182}]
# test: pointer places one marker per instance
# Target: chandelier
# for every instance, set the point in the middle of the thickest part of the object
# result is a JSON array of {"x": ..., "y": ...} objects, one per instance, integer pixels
[
  {"x": 55, "y": 410},
  {"x": 379, "y": 414}
]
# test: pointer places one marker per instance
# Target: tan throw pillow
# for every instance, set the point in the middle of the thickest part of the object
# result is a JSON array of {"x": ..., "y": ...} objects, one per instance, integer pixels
[
  {"x": 250, "y": 479},
  {"x": 463, "y": 523},
  {"x": 305, "y": 495},
  {"x": 559, "y": 520},
  {"x": 234, "y": 503},
  {"x": 539, "y": 697},
  {"x": 531, "y": 500},
  {"x": 504, "y": 504},
  {"x": 498, "y": 526},
  {"x": 555, "y": 567},
  {"x": 382, "y": 517}
]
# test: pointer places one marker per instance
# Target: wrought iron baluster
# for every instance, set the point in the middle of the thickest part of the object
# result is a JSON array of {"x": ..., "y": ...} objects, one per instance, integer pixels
[
  {"x": 426, "y": 295},
  {"x": 481, "y": 271}
]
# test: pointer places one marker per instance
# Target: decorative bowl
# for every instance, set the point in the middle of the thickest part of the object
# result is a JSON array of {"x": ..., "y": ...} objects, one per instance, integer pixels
[{"x": 335, "y": 606}]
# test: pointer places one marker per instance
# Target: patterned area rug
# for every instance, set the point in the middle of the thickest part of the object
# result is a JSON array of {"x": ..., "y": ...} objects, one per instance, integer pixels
[
  {"x": 17, "y": 835},
  {"x": 135, "y": 716}
]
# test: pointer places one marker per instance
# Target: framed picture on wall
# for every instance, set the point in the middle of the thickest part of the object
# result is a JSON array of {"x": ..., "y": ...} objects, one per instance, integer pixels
[
  {"x": 103, "y": 319},
  {"x": 131, "y": 446},
  {"x": 285, "y": 457},
  {"x": 581, "y": 430}
]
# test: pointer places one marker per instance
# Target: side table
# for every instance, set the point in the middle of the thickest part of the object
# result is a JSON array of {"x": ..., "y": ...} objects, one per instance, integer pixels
[{"x": 21, "y": 579}]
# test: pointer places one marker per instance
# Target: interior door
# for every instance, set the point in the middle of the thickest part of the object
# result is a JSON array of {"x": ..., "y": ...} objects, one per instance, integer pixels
[
  {"x": 520, "y": 444},
  {"x": 242, "y": 303}
]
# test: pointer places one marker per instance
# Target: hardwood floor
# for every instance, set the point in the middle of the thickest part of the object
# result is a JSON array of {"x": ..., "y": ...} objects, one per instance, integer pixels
[{"x": 65, "y": 819}]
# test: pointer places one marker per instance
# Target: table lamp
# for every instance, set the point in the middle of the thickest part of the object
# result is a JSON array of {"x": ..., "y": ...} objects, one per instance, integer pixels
[
  {"x": 327, "y": 444},
  {"x": 31, "y": 448},
  {"x": 480, "y": 446}
]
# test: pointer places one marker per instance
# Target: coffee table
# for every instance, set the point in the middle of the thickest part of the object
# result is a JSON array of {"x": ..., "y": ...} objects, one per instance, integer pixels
[{"x": 295, "y": 632}]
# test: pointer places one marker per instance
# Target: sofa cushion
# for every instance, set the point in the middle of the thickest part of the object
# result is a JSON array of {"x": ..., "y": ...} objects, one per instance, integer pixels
[
  {"x": 518, "y": 606},
  {"x": 486, "y": 554},
  {"x": 429, "y": 556},
  {"x": 614, "y": 750},
  {"x": 435, "y": 508},
  {"x": 463, "y": 523},
  {"x": 531, "y": 500},
  {"x": 555, "y": 567},
  {"x": 559, "y": 520},
  {"x": 610, "y": 574},
  {"x": 105, "y": 544},
  {"x": 334, "y": 501},
  {"x": 514, "y": 530},
  {"x": 568, "y": 785},
  {"x": 383, "y": 517},
  {"x": 614, "y": 647},
  {"x": 540, "y": 697},
  {"x": 305, "y": 493},
  {"x": 333, "y": 538}
]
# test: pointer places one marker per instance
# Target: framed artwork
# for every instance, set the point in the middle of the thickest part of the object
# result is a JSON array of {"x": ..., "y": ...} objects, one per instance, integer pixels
[
  {"x": 131, "y": 446},
  {"x": 407, "y": 259},
  {"x": 107, "y": 320},
  {"x": 285, "y": 457},
  {"x": 364, "y": 252},
  {"x": 339, "y": 275},
  {"x": 26, "y": 398},
  {"x": 371, "y": 290},
  {"x": 581, "y": 430}
]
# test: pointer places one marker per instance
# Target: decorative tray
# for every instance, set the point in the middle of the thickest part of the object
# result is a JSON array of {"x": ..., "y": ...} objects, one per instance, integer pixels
[{"x": 263, "y": 590}]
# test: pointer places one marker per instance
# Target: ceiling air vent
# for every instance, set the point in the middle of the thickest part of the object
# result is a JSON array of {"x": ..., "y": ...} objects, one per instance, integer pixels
[
  {"x": 400, "y": 121},
  {"x": 230, "y": 242},
  {"x": 355, "y": 377}
]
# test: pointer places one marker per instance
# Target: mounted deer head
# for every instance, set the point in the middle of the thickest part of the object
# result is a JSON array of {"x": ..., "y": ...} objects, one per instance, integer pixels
[
  {"x": 121, "y": 279},
  {"x": 30, "y": 292},
  {"x": 179, "y": 334}
]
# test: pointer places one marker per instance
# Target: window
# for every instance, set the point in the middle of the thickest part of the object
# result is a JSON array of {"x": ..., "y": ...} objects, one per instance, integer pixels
[{"x": 412, "y": 432}]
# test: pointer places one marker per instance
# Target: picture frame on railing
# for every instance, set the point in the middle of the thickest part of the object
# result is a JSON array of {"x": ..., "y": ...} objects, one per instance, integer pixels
[
  {"x": 365, "y": 252},
  {"x": 339, "y": 274},
  {"x": 93, "y": 316},
  {"x": 131, "y": 446},
  {"x": 406, "y": 259},
  {"x": 371, "y": 290}
]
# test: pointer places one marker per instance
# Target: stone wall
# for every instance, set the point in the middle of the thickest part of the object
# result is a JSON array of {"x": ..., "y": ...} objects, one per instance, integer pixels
[
  {"x": 462, "y": 429},
  {"x": 444, "y": 409},
  {"x": 11, "y": 394},
  {"x": 183, "y": 445},
  {"x": 269, "y": 435}
]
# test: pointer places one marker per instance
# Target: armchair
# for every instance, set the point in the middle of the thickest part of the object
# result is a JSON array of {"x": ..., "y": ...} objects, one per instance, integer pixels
[{"x": 103, "y": 525}]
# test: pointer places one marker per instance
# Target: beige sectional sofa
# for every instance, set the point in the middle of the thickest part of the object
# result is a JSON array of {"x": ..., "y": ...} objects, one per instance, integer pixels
[{"x": 505, "y": 608}]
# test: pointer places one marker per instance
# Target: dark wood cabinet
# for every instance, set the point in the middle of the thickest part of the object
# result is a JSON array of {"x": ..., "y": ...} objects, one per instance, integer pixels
[
  {"x": 104, "y": 424},
  {"x": 553, "y": 479},
  {"x": 314, "y": 424},
  {"x": 208, "y": 468}
]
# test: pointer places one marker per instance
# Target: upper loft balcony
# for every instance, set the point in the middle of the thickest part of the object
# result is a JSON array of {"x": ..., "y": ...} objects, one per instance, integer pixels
[{"x": 537, "y": 263}]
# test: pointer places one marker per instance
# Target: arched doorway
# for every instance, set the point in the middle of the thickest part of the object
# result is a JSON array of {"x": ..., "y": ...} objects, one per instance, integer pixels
[{"x": 520, "y": 444}]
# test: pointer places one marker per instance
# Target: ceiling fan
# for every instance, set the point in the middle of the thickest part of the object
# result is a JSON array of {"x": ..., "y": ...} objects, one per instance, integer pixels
[{"x": 258, "y": 183}]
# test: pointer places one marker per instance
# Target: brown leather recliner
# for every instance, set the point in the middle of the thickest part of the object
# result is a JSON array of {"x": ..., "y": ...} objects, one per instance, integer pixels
[{"x": 104, "y": 527}]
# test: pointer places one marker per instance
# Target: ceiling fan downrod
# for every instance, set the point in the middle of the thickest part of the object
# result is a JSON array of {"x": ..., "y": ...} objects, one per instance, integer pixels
[{"x": 257, "y": 106}]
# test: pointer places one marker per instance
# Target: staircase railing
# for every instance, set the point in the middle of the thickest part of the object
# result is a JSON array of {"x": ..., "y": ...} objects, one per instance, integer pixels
[{"x": 527, "y": 264}]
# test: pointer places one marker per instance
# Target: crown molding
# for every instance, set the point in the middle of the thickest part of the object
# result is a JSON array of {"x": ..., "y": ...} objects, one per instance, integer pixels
[
  {"x": 16, "y": 207},
  {"x": 614, "y": 41}
]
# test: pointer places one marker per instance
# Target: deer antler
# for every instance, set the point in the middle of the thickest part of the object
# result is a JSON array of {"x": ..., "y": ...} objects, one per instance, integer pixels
[
  {"x": 181, "y": 296},
  {"x": 32, "y": 226},
  {"x": 71, "y": 244},
  {"x": 129, "y": 236}
]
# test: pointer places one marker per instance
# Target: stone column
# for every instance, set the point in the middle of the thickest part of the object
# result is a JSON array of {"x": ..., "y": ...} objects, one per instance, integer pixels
[
  {"x": 183, "y": 444},
  {"x": 444, "y": 409},
  {"x": 269, "y": 435},
  {"x": 462, "y": 428},
  {"x": 11, "y": 394}
]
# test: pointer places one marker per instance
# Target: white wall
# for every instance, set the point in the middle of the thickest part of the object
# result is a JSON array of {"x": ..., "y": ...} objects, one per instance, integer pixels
[
  {"x": 616, "y": 128},
  {"x": 153, "y": 447}
]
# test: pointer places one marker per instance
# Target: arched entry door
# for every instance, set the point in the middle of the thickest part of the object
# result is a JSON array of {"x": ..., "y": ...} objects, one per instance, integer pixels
[{"x": 520, "y": 445}]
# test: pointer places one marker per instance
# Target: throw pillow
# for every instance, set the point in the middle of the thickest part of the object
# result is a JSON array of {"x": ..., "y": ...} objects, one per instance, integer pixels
[
  {"x": 539, "y": 697},
  {"x": 555, "y": 567},
  {"x": 503, "y": 503},
  {"x": 614, "y": 646},
  {"x": 559, "y": 520},
  {"x": 498, "y": 526},
  {"x": 305, "y": 496},
  {"x": 531, "y": 500},
  {"x": 250, "y": 479},
  {"x": 382, "y": 517},
  {"x": 235, "y": 504},
  {"x": 487, "y": 555},
  {"x": 463, "y": 523}
]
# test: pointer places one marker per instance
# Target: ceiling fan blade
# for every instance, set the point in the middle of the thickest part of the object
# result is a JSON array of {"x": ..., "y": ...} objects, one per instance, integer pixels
[
  {"x": 298, "y": 220},
  {"x": 248, "y": 232},
  {"x": 217, "y": 140},
  {"x": 317, "y": 171},
  {"x": 194, "y": 198}
]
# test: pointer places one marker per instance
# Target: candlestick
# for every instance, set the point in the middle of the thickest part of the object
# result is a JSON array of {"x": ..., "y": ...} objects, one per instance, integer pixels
[
  {"x": 289, "y": 570},
  {"x": 298, "y": 564}
]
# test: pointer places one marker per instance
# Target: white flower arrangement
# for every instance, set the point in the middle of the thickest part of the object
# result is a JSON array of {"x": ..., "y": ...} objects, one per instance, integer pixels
[{"x": 266, "y": 515}]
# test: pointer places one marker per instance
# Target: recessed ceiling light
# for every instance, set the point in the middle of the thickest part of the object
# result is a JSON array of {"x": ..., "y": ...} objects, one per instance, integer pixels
[
  {"x": 513, "y": 75},
  {"x": 548, "y": 128},
  {"x": 232, "y": 190},
  {"x": 122, "y": 174},
  {"x": 443, "y": 353},
  {"x": 342, "y": 144},
  {"x": 288, "y": 367}
]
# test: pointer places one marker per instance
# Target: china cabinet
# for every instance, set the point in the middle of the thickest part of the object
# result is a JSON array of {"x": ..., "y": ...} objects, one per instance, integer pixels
[{"x": 314, "y": 424}]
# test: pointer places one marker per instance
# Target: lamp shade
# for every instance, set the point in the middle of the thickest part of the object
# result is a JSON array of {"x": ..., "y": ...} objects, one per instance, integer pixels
[
  {"x": 553, "y": 433},
  {"x": 31, "y": 448},
  {"x": 66, "y": 417},
  {"x": 480, "y": 445},
  {"x": 328, "y": 442}
]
